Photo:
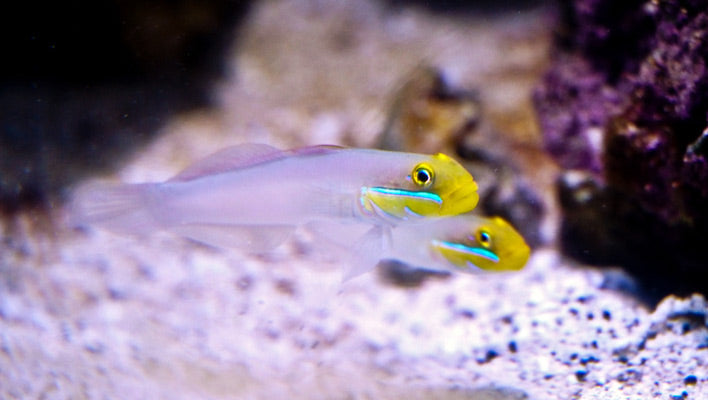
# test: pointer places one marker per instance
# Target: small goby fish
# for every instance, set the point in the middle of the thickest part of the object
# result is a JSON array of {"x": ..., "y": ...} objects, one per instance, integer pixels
[
  {"x": 253, "y": 195},
  {"x": 474, "y": 244},
  {"x": 464, "y": 243}
]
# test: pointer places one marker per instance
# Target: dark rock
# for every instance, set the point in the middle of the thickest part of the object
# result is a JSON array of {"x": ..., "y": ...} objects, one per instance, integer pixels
[
  {"x": 83, "y": 84},
  {"x": 573, "y": 138},
  {"x": 624, "y": 105}
]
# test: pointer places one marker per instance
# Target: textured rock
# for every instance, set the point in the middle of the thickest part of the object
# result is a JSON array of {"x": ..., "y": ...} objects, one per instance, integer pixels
[{"x": 625, "y": 104}]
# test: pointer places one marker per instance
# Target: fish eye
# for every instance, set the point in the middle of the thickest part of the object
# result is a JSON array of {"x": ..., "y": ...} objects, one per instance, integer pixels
[
  {"x": 484, "y": 238},
  {"x": 422, "y": 175}
]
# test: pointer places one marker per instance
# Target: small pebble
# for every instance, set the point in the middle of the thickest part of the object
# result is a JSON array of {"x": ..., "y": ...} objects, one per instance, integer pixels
[
  {"x": 685, "y": 327},
  {"x": 581, "y": 374},
  {"x": 588, "y": 359},
  {"x": 512, "y": 346},
  {"x": 690, "y": 380},
  {"x": 488, "y": 356}
]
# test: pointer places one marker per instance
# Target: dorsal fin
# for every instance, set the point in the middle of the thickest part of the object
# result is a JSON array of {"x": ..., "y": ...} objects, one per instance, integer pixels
[
  {"x": 315, "y": 150},
  {"x": 229, "y": 159},
  {"x": 245, "y": 155}
]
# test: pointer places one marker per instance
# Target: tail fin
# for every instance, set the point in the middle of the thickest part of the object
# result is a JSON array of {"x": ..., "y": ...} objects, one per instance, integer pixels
[{"x": 116, "y": 207}]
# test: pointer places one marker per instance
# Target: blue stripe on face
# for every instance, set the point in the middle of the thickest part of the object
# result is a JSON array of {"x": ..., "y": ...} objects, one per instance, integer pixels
[
  {"x": 407, "y": 193},
  {"x": 489, "y": 255}
]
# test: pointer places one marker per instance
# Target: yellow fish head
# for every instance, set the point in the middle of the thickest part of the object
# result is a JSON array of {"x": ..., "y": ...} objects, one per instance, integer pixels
[
  {"x": 436, "y": 187},
  {"x": 451, "y": 181},
  {"x": 491, "y": 246}
]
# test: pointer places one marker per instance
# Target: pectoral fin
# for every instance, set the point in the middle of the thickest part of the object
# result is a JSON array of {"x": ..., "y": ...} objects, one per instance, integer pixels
[
  {"x": 254, "y": 238},
  {"x": 368, "y": 251}
]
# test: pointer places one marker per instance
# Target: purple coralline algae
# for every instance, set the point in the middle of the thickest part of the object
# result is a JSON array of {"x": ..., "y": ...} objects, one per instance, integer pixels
[{"x": 624, "y": 106}]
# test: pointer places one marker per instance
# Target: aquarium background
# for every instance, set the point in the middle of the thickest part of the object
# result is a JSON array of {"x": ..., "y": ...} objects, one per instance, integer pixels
[{"x": 583, "y": 123}]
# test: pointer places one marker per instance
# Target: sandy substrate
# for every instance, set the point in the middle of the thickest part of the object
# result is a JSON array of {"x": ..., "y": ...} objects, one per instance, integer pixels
[{"x": 89, "y": 314}]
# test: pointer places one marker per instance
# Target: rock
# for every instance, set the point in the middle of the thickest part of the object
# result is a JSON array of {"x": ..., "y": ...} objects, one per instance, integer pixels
[{"x": 624, "y": 104}]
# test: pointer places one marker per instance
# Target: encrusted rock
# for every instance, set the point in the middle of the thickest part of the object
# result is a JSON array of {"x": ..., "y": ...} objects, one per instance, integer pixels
[{"x": 625, "y": 104}]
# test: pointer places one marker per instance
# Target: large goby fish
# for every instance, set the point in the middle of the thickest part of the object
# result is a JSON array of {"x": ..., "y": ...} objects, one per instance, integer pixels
[
  {"x": 464, "y": 243},
  {"x": 253, "y": 195}
]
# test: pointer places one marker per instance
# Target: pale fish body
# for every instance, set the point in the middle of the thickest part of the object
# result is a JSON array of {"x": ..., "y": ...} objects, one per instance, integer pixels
[
  {"x": 463, "y": 243},
  {"x": 254, "y": 195}
]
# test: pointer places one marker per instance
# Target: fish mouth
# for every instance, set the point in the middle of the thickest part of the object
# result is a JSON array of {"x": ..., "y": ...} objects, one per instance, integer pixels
[
  {"x": 462, "y": 200},
  {"x": 521, "y": 257}
]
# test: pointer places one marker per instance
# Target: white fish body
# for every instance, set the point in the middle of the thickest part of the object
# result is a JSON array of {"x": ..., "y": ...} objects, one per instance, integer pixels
[{"x": 252, "y": 196}]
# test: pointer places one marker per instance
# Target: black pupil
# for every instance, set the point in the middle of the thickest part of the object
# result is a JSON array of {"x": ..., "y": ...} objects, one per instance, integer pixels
[
  {"x": 423, "y": 176},
  {"x": 484, "y": 237}
]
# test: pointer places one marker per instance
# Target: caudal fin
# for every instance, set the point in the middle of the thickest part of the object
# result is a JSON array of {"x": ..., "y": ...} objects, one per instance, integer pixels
[{"x": 116, "y": 207}]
